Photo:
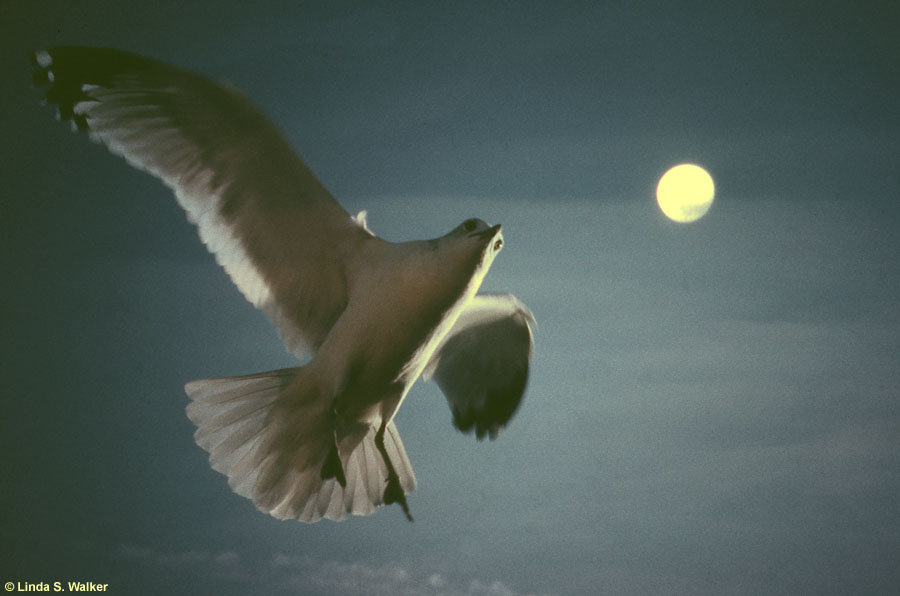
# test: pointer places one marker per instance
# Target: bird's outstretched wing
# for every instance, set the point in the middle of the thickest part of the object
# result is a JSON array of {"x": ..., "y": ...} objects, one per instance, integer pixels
[
  {"x": 275, "y": 229},
  {"x": 482, "y": 364}
]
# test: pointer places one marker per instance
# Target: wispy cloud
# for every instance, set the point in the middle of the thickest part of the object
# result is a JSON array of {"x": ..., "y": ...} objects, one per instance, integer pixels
[
  {"x": 224, "y": 565},
  {"x": 351, "y": 578},
  {"x": 291, "y": 574}
]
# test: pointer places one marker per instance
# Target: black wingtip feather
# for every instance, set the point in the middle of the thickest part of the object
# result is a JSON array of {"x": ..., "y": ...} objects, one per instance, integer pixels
[
  {"x": 67, "y": 69},
  {"x": 501, "y": 406}
]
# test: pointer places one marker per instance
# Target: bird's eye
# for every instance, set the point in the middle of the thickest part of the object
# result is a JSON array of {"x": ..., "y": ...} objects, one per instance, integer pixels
[
  {"x": 498, "y": 244},
  {"x": 470, "y": 224}
]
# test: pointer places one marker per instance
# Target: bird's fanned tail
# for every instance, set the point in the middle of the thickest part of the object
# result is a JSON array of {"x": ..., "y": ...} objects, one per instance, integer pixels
[{"x": 270, "y": 433}]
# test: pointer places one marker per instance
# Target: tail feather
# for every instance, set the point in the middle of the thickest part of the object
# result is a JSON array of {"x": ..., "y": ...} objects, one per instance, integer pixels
[
  {"x": 270, "y": 434},
  {"x": 397, "y": 453}
]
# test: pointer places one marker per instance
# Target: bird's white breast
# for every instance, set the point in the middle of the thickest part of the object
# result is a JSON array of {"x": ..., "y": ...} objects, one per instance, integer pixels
[{"x": 403, "y": 302}]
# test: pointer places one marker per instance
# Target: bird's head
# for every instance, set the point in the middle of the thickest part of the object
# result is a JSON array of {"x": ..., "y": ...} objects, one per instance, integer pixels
[
  {"x": 479, "y": 239},
  {"x": 467, "y": 250}
]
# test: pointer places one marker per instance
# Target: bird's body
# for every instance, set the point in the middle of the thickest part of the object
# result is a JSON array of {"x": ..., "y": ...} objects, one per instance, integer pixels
[{"x": 368, "y": 315}]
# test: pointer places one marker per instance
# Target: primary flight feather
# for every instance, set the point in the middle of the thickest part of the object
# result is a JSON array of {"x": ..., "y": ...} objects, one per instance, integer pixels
[{"x": 369, "y": 316}]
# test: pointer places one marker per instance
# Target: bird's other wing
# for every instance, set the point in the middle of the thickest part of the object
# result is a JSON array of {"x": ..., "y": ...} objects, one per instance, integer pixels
[
  {"x": 275, "y": 229},
  {"x": 482, "y": 364}
]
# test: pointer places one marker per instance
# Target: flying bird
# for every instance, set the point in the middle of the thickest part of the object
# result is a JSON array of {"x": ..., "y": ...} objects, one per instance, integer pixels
[{"x": 366, "y": 317}]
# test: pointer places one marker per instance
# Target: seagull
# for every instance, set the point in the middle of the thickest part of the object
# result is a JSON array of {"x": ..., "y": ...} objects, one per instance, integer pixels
[{"x": 365, "y": 317}]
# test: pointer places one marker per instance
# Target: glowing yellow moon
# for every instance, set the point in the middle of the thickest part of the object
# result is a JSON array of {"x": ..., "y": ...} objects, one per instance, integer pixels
[{"x": 685, "y": 193}]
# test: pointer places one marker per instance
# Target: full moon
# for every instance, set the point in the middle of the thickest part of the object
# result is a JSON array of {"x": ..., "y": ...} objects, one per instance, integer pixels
[{"x": 685, "y": 193}]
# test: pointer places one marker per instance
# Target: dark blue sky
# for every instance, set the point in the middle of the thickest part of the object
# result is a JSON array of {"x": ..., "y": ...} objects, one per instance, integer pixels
[{"x": 713, "y": 407}]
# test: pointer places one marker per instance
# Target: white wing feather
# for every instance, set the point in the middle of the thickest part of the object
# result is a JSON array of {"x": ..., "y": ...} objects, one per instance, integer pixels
[{"x": 275, "y": 229}]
